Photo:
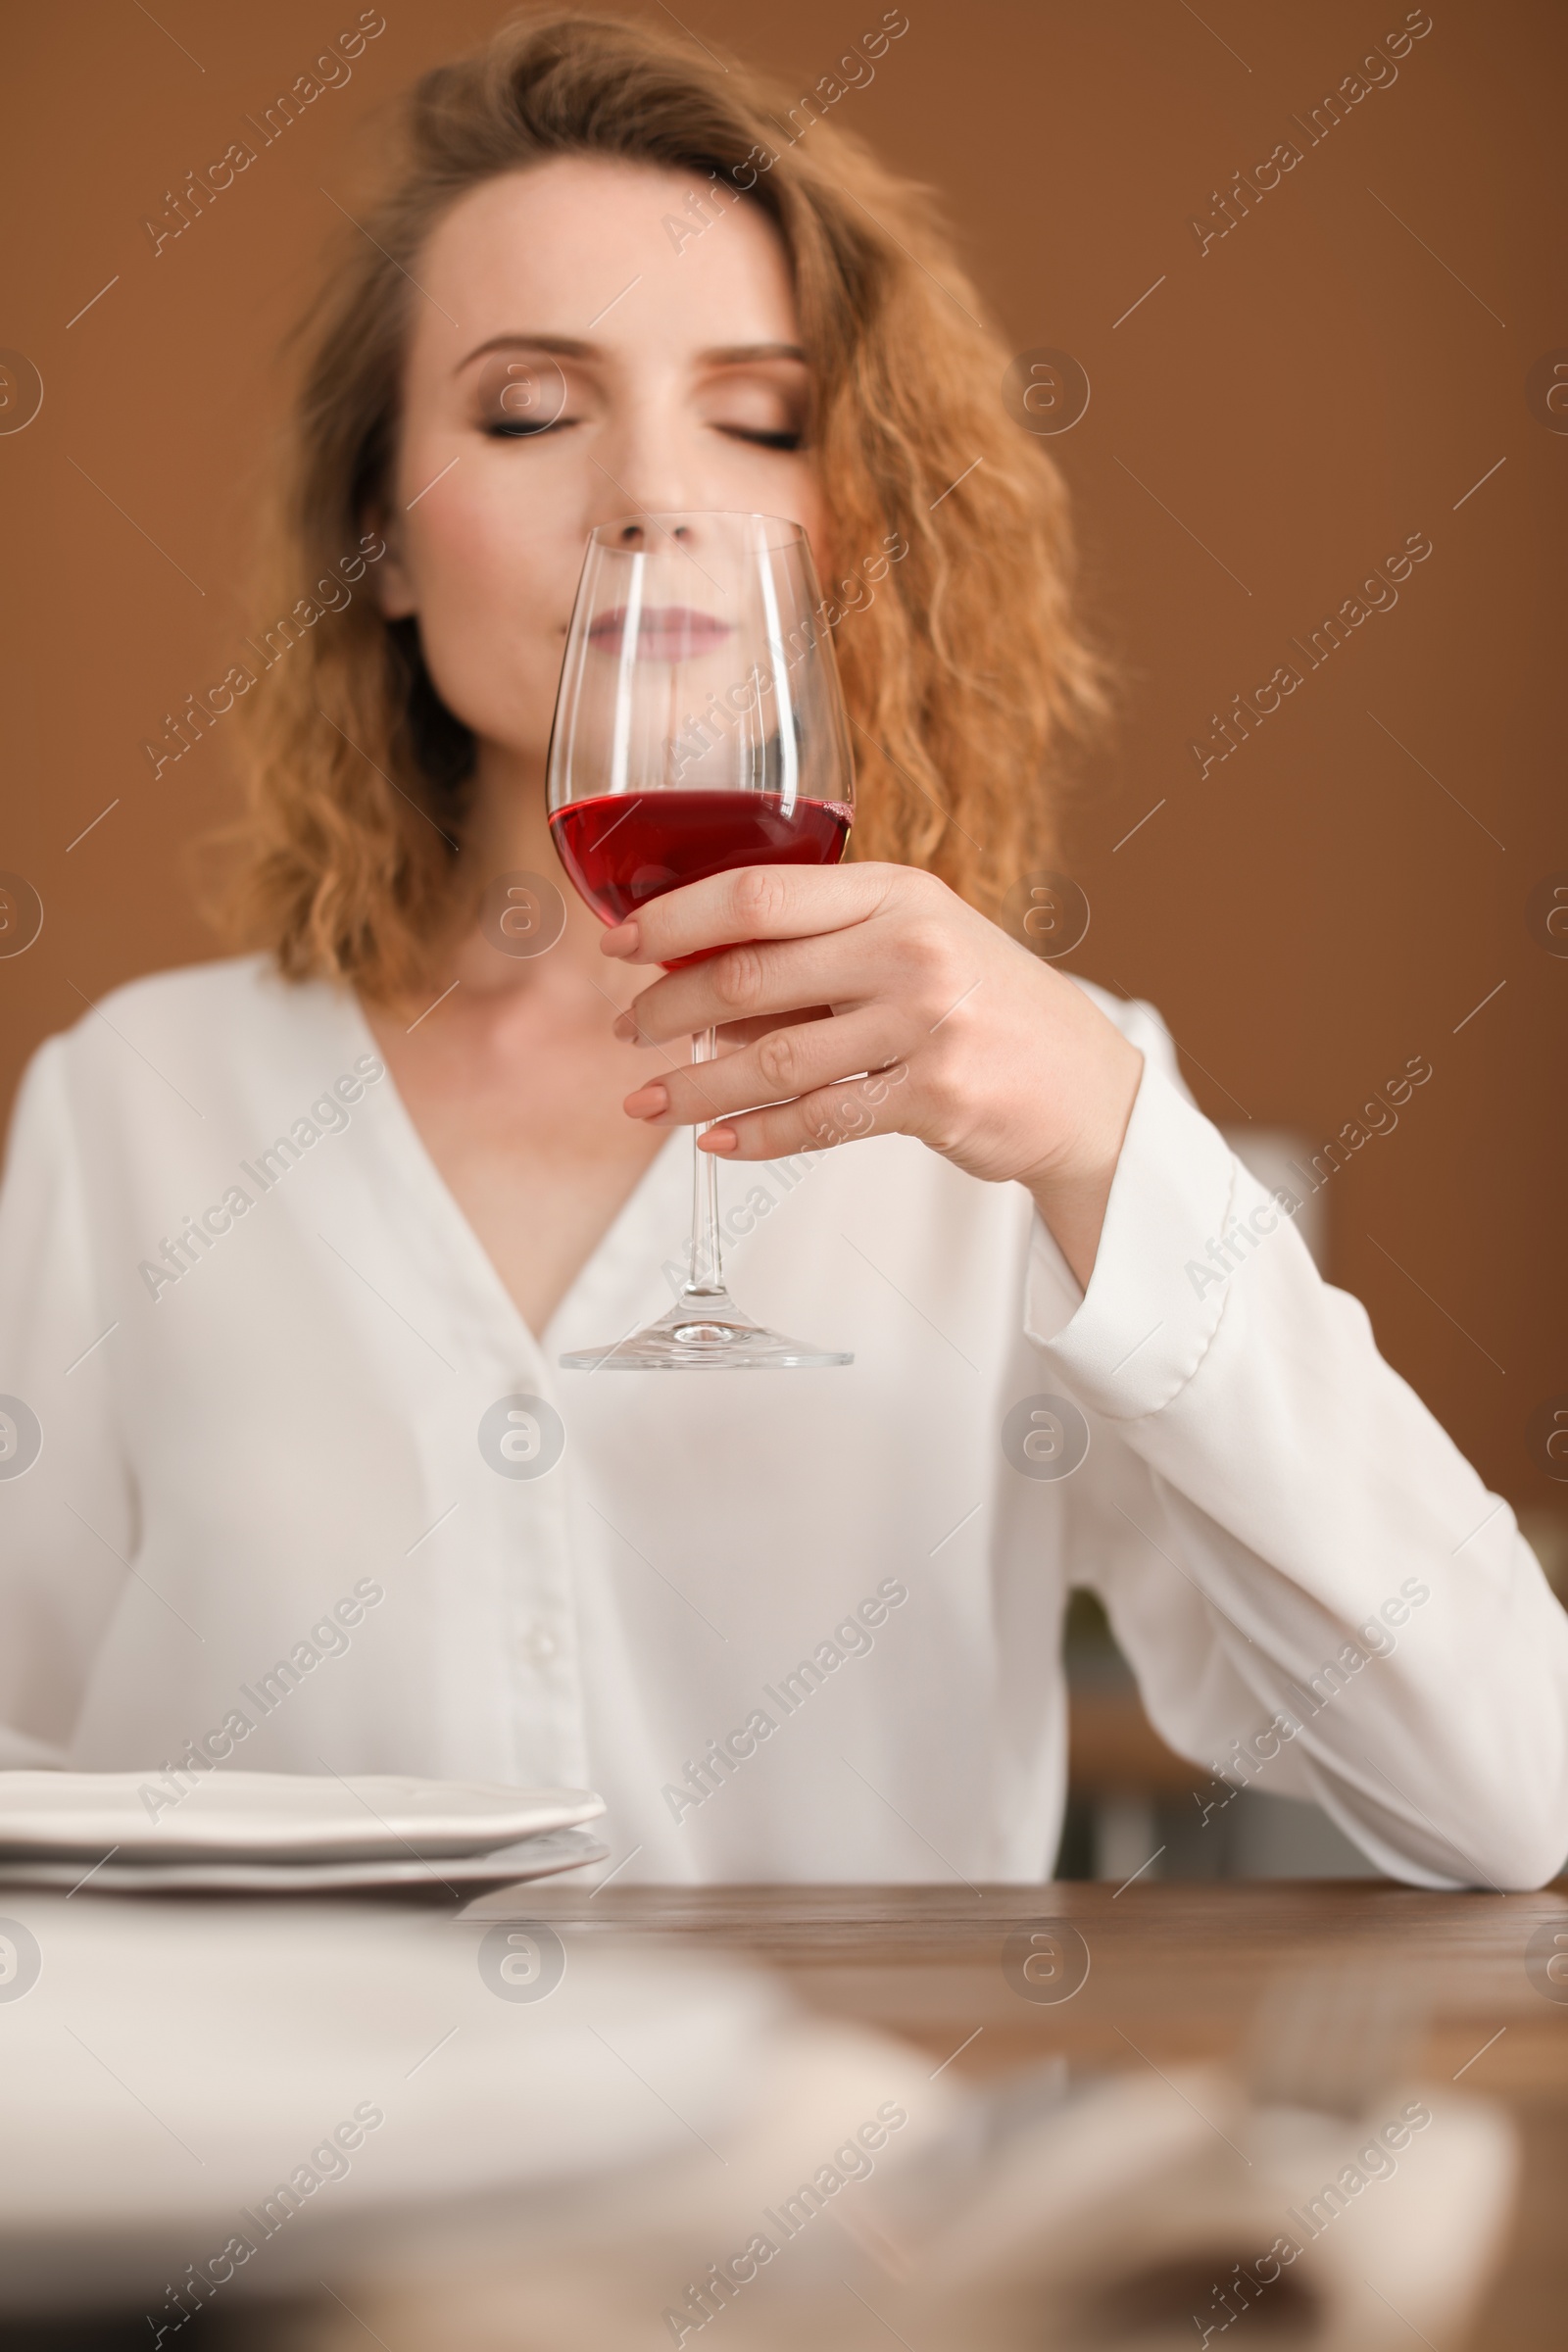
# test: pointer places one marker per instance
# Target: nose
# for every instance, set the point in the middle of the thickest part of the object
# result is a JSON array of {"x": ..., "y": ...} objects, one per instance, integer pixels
[
  {"x": 637, "y": 533},
  {"x": 647, "y": 474}
]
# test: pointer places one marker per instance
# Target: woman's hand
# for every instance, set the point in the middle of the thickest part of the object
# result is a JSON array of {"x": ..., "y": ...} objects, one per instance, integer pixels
[{"x": 869, "y": 999}]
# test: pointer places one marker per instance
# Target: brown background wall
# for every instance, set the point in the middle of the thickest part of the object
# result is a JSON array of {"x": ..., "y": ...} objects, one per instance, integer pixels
[{"x": 1276, "y": 416}]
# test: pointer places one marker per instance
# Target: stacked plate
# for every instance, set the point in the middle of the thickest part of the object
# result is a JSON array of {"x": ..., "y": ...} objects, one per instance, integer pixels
[{"x": 251, "y": 1833}]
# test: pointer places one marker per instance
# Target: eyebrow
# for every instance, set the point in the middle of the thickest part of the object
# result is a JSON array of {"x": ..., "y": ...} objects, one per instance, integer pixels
[{"x": 570, "y": 347}]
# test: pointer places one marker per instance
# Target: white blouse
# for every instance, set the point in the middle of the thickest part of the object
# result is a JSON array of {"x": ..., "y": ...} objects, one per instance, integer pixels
[{"x": 286, "y": 1480}]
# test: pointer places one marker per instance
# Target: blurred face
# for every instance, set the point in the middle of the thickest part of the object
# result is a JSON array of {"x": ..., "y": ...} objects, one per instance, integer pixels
[{"x": 577, "y": 354}]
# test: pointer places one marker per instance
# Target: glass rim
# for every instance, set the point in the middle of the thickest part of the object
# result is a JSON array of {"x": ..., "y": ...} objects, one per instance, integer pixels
[{"x": 600, "y": 533}]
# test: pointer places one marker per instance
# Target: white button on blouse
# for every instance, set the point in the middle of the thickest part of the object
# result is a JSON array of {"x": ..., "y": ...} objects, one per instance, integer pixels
[{"x": 287, "y": 1483}]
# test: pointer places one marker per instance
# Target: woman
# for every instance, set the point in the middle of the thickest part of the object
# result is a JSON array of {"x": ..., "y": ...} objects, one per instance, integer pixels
[{"x": 292, "y": 1243}]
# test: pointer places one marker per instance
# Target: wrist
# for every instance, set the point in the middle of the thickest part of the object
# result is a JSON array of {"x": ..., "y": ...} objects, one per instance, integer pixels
[{"x": 1071, "y": 1186}]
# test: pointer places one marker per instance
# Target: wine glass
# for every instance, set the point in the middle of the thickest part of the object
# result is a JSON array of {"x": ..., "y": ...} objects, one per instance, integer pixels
[{"x": 699, "y": 727}]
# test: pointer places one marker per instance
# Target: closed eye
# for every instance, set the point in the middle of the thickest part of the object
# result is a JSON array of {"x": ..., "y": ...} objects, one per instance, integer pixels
[
  {"x": 520, "y": 430},
  {"x": 762, "y": 440}
]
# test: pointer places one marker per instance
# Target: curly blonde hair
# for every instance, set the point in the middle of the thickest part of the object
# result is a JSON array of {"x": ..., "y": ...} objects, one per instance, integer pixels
[{"x": 964, "y": 671}]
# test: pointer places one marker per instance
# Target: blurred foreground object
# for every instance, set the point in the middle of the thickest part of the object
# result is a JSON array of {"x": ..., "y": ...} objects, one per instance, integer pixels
[
  {"x": 558, "y": 2123},
  {"x": 208, "y": 2102},
  {"x": 1339, "y": 2207}
]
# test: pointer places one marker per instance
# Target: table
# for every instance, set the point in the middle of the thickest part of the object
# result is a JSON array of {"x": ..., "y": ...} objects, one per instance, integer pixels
[{"x": 1176, "y": 1971}]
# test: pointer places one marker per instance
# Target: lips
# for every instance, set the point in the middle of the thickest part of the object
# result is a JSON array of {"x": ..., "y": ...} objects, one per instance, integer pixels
[{"x": 665, "y": 633}]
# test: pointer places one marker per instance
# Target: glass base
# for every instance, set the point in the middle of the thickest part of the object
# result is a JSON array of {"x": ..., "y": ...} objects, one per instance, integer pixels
[{"x": 704, "y": 1332}]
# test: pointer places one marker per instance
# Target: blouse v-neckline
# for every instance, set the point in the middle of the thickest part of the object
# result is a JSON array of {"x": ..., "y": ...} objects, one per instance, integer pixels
[{"x": 449, "y": 1209}]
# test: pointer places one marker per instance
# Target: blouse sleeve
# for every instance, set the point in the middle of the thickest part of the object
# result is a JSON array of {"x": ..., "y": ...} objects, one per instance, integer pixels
[
  {"x": 68, "y": 1530},
  {"x": 1315, "y": 1590}
]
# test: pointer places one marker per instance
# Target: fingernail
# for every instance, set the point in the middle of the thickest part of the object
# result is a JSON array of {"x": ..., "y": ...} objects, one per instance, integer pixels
[
  {"x": 648, "y": 1101},
  {"x": 720, "y": 1139},
  {"x": 623, "y": 941},
  {"x": 624, "y": 1027}
]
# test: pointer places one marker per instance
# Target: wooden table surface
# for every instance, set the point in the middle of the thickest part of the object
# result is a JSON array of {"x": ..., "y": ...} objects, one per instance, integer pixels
[{"x": 1176, "y": 1972}]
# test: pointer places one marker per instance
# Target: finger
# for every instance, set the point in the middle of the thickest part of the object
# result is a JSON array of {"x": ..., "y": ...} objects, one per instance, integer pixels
[
  {"x": 733, "y": 1034},
  {"x": 780, "y": 1065},
  {"x": 759, "y": 980},
  {"x": 753, "y": 902},
  {"x": 878, "y": 1105}
]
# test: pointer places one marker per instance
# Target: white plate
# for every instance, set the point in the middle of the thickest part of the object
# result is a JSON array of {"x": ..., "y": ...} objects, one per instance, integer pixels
[
  {"x": 271, "y": 1816},
  {"x": 174, "y": 2060},
  {"x": 529, "y": 1858}
]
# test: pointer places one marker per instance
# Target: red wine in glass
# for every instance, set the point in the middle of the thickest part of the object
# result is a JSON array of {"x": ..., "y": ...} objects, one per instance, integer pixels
[{"x": 622, "y": 849}]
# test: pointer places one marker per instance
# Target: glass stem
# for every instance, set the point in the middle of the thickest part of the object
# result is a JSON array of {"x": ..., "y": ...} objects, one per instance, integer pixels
[{"x": 707, "y": 1277}]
